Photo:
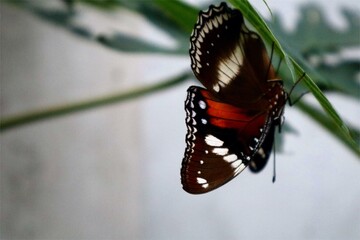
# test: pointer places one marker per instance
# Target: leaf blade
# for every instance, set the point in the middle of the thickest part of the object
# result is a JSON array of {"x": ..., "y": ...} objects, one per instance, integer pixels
[{"x": 254, "y": 18}]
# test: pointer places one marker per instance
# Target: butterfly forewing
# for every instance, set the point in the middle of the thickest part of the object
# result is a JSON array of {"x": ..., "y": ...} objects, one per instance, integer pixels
[{"x": 229, "y": 59}]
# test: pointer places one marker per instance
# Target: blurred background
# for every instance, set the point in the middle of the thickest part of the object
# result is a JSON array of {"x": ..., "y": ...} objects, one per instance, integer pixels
[{"x": 113, "y": 172}]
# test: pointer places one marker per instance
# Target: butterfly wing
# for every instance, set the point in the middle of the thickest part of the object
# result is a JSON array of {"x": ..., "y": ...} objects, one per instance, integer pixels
[
  {"x": 231, "y": 124},
  {"x": 229, "y": 59},
  {"x": 260, "y": 159},
  {"x": 221, "y": 140}
]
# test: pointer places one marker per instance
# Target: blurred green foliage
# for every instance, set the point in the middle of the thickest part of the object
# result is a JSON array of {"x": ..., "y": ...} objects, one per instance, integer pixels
[{"x": 310, "y": 46}]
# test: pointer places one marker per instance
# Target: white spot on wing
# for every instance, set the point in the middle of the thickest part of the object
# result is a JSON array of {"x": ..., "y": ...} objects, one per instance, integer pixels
[
  {"x": 236, "y": 164},
  {"x": 206, "y": 185},
  {"x": 197, "y": 57},
  {"x": 201, "y": 180},
  {"x": 198, "y": 44},
  {"x": 231, "y": 157},
  {"x": 216, "y": 87},
  {"x": 216, "y": 24},
  {"x": 220, "y": 20},
  {"x": 206, "y": 29},
  {"x": 230, "y": 67},
  {"x": 221, "y": 151},
  {"x": 209, "y": 24},
  {"x": 213, "y": 141},
  {"x": 239, "y": 169},
  {"x": 202, "y": 104},
  {"x": 237, "y": 56},
  {"x": 261, "y": 153}
]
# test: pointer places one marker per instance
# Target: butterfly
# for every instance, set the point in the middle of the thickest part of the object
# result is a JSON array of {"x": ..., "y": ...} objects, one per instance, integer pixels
[{"x": 231, "y": 122}]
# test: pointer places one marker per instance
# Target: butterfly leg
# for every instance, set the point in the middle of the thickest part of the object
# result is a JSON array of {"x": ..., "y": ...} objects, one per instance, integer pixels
[{"x": 291, "y": 103}]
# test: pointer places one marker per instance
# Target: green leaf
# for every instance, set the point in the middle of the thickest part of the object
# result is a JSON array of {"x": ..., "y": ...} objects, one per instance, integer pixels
[
  {"x": 127, "y": 43},
  {"x": 161, "y": 17},
  {"x": 341, "y": 77},
  {"x": 315, "y": 41},
  {"x": 182, "y": 14},
  {"x": 313, "y": 31},
  {"x": 177, "y": 19},
  {"x": 61, "y": 110},
  {"x": 329, "y": 125},
  {"x": 296, "y": 71},
  {"x": 102, "y": 4},
  {"x": 170, "y": 16}
]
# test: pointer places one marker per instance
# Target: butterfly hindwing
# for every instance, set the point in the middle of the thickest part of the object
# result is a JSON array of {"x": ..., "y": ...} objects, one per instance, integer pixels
[
  {"x": 221, "y": 140},
  {"x": 258, "y": 162}
]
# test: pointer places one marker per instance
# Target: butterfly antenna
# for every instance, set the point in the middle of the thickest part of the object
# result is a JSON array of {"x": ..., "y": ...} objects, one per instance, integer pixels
[{"x": 274, "y": 166}]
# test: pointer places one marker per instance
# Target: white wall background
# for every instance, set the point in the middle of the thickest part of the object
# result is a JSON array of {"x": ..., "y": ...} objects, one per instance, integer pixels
[{"x": 114, "y": 172}]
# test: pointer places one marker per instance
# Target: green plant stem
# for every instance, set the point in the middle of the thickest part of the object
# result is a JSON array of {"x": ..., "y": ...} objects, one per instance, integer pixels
[{"x": 61, "y": 110}]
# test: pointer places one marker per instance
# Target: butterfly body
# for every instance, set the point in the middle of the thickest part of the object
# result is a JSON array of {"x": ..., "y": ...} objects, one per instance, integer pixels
[{"x": 231, "y": 123}]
